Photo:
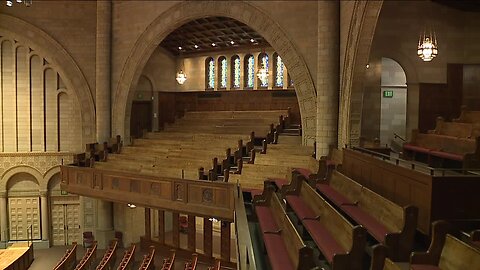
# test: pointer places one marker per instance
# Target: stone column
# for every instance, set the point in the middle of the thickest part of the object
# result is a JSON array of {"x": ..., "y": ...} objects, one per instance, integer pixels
[
  {"x": 102, "y": 102},
  {"x": 44, "y": 214},
  {"x": 103, "y": 69},
  {"x": 3, "y": 216},
  {"x": 327, "y": 75}
]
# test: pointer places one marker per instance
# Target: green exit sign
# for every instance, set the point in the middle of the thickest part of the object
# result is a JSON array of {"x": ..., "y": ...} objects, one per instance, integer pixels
[{"x": 388, "y": 94}]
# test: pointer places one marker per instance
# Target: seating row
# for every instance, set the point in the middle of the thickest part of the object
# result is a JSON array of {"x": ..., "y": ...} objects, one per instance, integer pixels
[
  {"x": 69, "y": 259},
  {"x": 88, "y": 258},
  {"x": 109, "y": 257}
]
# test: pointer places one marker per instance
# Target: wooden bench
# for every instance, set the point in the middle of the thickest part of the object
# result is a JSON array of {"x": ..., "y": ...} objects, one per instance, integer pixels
[
  {"x": 109, "y": 257},
  {"x": 386, "y": 221},
  {"x": 341, "y": 243},
  {"x": 192, "y": 264},
  {"x": 69, "y": 260},
  {"x": 128, "y": 259},
  {"x": 216, "y": 265},
  {"x": 88, "y": 258},
  {"x": 168, "y": 263},
  {"x": 148, "y": 262},
  {"x": 445, "y": 252},
  {"x": 467, "y": 116},
  {"x": 454, "y": 129},
  {"x": 428, "y": 147},
  {"x": 285, "y": 248}
]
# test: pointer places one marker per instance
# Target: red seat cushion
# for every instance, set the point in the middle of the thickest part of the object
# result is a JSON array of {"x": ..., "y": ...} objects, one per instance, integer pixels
[
  {"x": 266, "y": 220},
  {"x": 335, "y": 196},
  {"x": 324, "y": 240},
  {"x": 256, "y": 192},
  {"x": 277, "y": 252},
  {"x": 424, "y": 267},
  {"x": 304, "y": 172},
  {"x": 301, "y": 209},
  {"x": 446, "y": 155},
  {"x": 416, "y": 148},
  {"x": 374, "y": 227}
]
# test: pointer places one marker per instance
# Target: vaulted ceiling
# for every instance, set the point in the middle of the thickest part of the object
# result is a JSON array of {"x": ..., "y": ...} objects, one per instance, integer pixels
[
  {"x": 212, "y": 34},
  {"x": 463, "y": 5}
]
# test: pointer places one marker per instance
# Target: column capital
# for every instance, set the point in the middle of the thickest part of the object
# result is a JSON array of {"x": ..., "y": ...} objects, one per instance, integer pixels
[
  {"x": 3, "y": 193},
  {"x": 43, "y": 193}
]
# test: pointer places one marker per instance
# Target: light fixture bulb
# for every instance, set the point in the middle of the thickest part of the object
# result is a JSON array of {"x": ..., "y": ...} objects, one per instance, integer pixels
[
  {"x": 180, "y": 47},
  {"x": 213, "y": 44},
  {"x": 131, "y": 205},
  {"x": 252, "y": 40},
  {"x": 232, "y": 42},
  {"x": 196, "y": 46},
  {"x": 9, "y": 3}
]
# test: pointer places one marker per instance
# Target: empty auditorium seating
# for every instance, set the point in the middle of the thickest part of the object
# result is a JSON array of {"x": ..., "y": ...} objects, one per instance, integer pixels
[
  {"x": 169, "y": 262},
  {"x": 69, "y": 260},
  {"x": 88, "y": 258},
  {"x": 192, "y": 264},
  {"x": 386, "y": 221},
  {"x": 148, "y": 262},
  {"x": 109, "y": 257},
  {"x": 285, "y": 248},
  {"x": 128, "y": 259},
  {"x": 341, "y": 243}
]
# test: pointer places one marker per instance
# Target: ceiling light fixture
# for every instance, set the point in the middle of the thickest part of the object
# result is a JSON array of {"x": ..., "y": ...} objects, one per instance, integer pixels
[
  {"x": 252, "y": 40},
  {"x": 232, "y": 42},
  {"x": 27, "y": 3},
  {"x": 213, "y": 44},
  {"x": 180, "y": 47},
  {"x": 427, "y": 46},
  {"x": 131, "y": 205},
  {"x": 196, "y": 46}
]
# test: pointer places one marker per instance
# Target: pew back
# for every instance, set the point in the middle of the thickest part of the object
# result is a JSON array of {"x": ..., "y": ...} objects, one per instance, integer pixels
[
  {"x": 345, "y": 186},
  {"x": 457, "y": 254}
]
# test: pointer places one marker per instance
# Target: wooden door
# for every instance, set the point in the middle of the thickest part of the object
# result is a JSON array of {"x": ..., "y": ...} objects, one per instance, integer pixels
[
  {"x": 58, "y": 225},
  {"x": 24, "y": 213},
  {"x": 140, "y": 118},
  {"x": 65, "y": 223},
  {"x": 73, "y": 223}
]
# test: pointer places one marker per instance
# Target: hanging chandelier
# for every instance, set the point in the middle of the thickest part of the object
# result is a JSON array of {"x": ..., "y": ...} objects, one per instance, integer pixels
[
  {"x": 427, "y": 46},
  {"x": 27, "y": 3},
  {"x": 181, "y": 77},
  {"x": 262, "y": 74}
]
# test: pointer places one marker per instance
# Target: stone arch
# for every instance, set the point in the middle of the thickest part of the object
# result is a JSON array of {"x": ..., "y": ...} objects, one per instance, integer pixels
[
  {"x": 360, "y": 36},
  {"x": 63, "y": 63},
  {"x": 20, "y": 169},
  {"x": 238, "y": 10},
  {"x": 48, "y": 177}
]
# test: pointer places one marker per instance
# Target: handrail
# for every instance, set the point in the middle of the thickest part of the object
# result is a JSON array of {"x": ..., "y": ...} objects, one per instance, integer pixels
[
  {"x": 244, "y": 246},
  {"x": 148, "y": 262},
  {"x": 88, "y": 258},
  {"x": 395, "y": 135},
  {"x": 68, "y": 260},
  {"x": 417, "y": 166},
  {"x": 127, "y": 261},
  {"x": 108, "y": 259}
]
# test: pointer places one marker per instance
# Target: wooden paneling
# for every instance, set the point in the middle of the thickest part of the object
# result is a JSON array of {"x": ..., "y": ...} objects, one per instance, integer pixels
[
  {"x": 140, "y": 118},
  {"x": 201, "y": 198},
  {"x": 471, "y": 86},
  {"x": 174, "y": 104},
  {"x": 437, "y": 197}
]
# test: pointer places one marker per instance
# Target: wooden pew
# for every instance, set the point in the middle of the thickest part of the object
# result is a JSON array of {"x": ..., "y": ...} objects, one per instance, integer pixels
[
  {"x": 285, "y": 248},
  {"x": 128, "y": 259},
  {"x": 341, "y": 243},
  {"x": 168, "y": 263},
  {"x": 69, "y": 260},
  {"x": 109, "y": 257},
  {"x": 386, "y": 221},
  {"x": 454, "y": 129},
  {"x": 88, "y": 258},
  {"x": 467, "y": 116},
  {"x": 428, "y": 147},
  {"x": 148, "y": 262},
  {"x": 216, "y": 265},
  {"x": 192, "y": 264},
  {"x": 445, "y": 252}
]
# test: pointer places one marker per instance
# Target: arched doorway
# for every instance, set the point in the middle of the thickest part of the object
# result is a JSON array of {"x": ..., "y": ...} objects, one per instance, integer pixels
[{"x": 189, "y": 10}]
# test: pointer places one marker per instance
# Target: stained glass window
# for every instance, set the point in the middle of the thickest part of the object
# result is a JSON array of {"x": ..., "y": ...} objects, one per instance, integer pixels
[
  {"x": 236, "y": 72},
  {"x": 223, "y": 73},
  {"x": 211, "y": 74},
  {"x": 279, "y": 72},
  {"x": 264, "y": 64},
  {"x": 250, "y": 71}
]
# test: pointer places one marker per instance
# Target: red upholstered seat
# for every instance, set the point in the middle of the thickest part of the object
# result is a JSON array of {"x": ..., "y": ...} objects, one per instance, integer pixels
[
  {"x": 277, "y": 252},
  {"x": 265, "y": 218},
  {"x": 324, "y": 240},
  {"x": 256, "y": 192},
  {"x": 374, "y": 227},
  {"x": 424, "y": 267},
  {"x": 446, "y": 155},
  {"x": 301, "y": 209},
  {"x": 416, "y": 148},
  {"x": 304, "y": 172},
  {"x": 335, "y": 196}
]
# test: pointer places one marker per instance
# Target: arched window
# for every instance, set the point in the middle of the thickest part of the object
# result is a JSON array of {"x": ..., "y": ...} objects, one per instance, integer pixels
[
  {"x": 209, "y": 73},
  {"x": 249, "y": 71},
  {"x": 235, "y": 71},
  {"x": 278, "y": 70},
  {"x": 222, "y": 72},
  {"x": 263, "y": 63}
]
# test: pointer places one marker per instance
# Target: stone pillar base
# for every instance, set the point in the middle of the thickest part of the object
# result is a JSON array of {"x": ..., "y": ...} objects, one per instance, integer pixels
[{"x": 103, "y": 237}]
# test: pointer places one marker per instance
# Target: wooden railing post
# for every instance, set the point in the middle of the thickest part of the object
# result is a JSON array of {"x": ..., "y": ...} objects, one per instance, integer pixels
[
  {"x": 161, "y": 226},
  {"x": 207, "y": 236},
  {"x": 192, "y": 231},
  {"x": 225, "y": 241},
  {"x": 148, "y": 229}
]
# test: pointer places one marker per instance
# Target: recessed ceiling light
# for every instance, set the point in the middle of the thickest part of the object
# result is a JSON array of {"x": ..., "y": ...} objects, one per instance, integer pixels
[
  {"x": 196, "y": 46},
  {"x": 131, "y": 205},
  {"x": 232, "y": 42},
  {"x": 179, "y": 47},
  {"x": 213, "y": 44},
  {"x": 252, "y": 40}
]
